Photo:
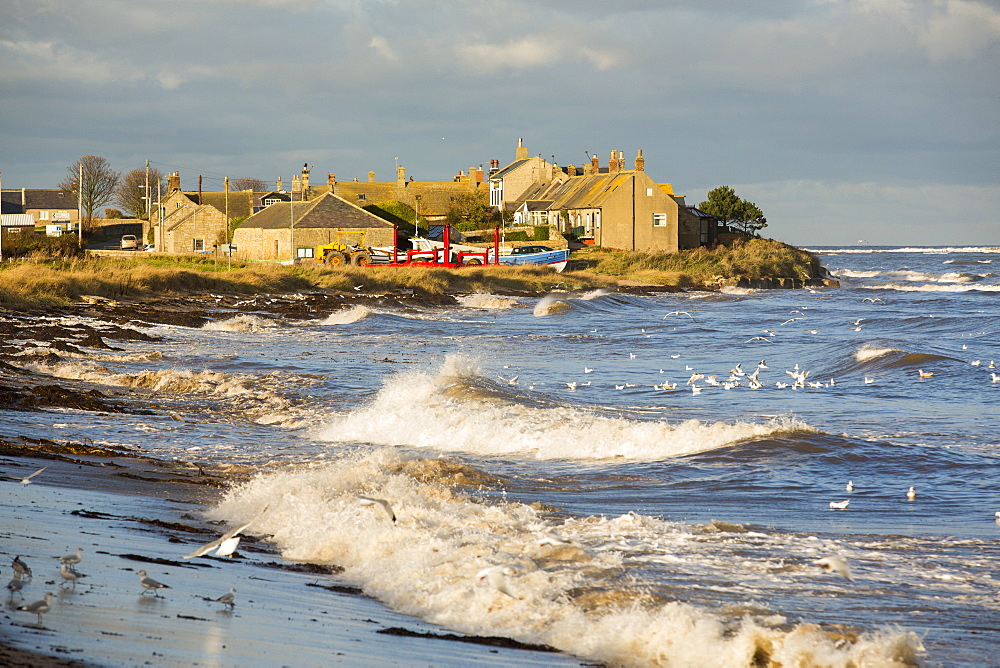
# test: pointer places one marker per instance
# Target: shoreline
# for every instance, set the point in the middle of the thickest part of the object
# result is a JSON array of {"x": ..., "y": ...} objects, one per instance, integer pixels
[{"x": 129, "y": 511}]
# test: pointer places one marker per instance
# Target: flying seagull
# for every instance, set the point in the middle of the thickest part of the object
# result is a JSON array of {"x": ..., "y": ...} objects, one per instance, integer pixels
[
  {"x": 836, "y": 564},
  {"x": 217, "y": 543},
  {"x": 369, "y": 501},
  {"x": 27, "y": 481}
]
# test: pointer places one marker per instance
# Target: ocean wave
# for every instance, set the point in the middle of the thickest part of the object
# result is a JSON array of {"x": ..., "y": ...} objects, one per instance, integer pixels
[
  {"x": 943, "y": 250},
  {"x": 347, "y": 316},
  {"x": 870, "y": 355},
  {"x": 550, "y": 305},
  {"x": 735, "y": 290},
  {"x": 457, "y": 409},
  {"x": 240, "y": 323},
  {"x": 936, "y": 287},
  {"x": 908, "y": 275},
  {"x": 580, "y": 585},
  {"x": 482, "y": 300}
]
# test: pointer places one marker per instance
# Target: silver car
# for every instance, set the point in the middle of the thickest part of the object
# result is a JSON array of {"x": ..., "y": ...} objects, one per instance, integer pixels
[{"x": 129, "y": 242}]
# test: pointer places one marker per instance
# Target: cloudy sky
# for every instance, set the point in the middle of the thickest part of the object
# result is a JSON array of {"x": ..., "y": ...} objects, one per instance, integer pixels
[{"x": 842, "y": 119}]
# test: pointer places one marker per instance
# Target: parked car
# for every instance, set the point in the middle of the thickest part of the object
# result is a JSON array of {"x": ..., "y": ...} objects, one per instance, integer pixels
[
  {"x": 149, "y": 248},
  {"x": 129, "y": 242}
]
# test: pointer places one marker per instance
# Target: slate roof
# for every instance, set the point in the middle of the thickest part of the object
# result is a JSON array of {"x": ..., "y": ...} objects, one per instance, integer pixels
[
  {"x": 326, "y": 211},
  {"x": 38, "y": 199},
  {"x": 240, "y": 201},
  {"x": 578, "y": 192},
  {"x": 508, "y": 169}
]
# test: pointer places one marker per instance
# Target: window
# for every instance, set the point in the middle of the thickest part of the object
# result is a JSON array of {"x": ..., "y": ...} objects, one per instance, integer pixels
[
  {"x": 272, "y": 200},
  {"x": 61, "y": 215},
  {"x": 362, "y": 196},
  {"x": 43, "y": 215},
  {"x": 659, "y": 220},
  {"x": 305, "y": 252},
  {"x": 198, "y": 245},
  {"x": 649, "y": 192}
]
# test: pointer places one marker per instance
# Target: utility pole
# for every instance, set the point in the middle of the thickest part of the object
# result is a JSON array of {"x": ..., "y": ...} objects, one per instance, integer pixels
[
  {"x": 291, "y": 224},
  {"x": 149, "y": 205},
  {"x": 159, "y": 214},
  {"x": 1, "y": 216},
  {"x": 229, "y": 241},
  {"x": 79, "y": 207}
]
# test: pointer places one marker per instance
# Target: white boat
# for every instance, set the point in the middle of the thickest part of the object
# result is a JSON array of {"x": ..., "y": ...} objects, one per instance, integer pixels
[{"x": 544, "y": 255}]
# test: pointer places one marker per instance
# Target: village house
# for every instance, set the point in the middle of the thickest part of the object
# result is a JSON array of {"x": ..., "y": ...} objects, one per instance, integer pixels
[
  {"x": 55, "y": 211},
  {"x": 294, "y": 229},
  {"x": 196, "y": 222},
  {"x": 611, "y": 206}
]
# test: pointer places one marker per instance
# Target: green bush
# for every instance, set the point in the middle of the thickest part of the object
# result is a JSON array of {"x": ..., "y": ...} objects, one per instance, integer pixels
[
  {"x": 541, "y": 233},
  {"x": 519, "y": 235}
]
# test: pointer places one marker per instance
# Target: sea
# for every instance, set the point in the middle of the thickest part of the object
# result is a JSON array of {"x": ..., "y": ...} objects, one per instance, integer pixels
[{"x": 633, "y": 479}]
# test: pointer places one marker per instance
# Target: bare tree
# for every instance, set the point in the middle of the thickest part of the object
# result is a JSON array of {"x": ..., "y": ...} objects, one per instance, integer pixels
[
  {"x": 249, "y": 183},
  {"x": 131, "y": 191},
  {"x": 98, "y": 188}
]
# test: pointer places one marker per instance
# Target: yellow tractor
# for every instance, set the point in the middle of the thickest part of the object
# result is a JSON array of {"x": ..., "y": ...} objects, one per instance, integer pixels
[{"x": 348, "y": 249}]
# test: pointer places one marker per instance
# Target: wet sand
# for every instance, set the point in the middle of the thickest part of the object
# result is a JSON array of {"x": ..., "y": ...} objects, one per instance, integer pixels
[{"x": 130, "y": 513}]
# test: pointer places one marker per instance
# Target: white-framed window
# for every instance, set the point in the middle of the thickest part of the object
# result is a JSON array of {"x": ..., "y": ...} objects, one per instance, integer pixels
[
  {"x": 43, "y": 215},
  {"x": 61, "y": 215},
  {"x": 272, "y": 200},
  {"x": 649, "y": 192},
  {"x": 305, "y": 252},
  {"x": 197, "y": 245},
  {"x": 659, "y": 220}
]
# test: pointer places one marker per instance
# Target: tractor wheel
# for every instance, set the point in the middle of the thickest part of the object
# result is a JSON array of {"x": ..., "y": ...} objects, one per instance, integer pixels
[
  {"x": 361, "y": 259},
  {"x": 473, "y": 261},
  {"x": 335, "y": 258}
]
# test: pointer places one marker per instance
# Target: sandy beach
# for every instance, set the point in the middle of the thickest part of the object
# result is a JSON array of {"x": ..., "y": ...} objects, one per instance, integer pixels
[{"x": 129, "y": 513}]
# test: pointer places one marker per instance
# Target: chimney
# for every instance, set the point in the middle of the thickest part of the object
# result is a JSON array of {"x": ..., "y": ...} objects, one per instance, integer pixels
[
  {"x": 521, "y": 153},
  {"x": 613, "y": 162},
  {"x": 371, "y": 176},
  {"x": 305, "y": 176},
  {"x": 494, "y": 166},
  {"x": 279, "y": 186},
  {"x": 595, "y": 167},
  {"x": 640, "y": 162},
  {"x": 296, "y": 184},
  {"x": 173, "y": 181},
  {"x": 571, "y": 170},
  {"x": 401, "y": 176}
]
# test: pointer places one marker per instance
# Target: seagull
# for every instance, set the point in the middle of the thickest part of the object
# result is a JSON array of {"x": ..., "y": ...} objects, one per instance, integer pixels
[
  {"x": 72, "y": 559},
  {"x": 911, "y": 493},
  {"x": 368, "y": 501},
  {"x": 27, "y": 481},
  {"x": 619, "y": 387},
  {"x": 678, "y": 313},
  {"x": 631, "y": 356},
  {"x": 510, "y": 381},
  {"x": 228, "y": 547},
  {"x": 495, "y": 576},
  {"x": 995, "y": 377},
  {"x": 20, "y": 567},
  {"x": 925, "y": 374},
  {"x": 850, "y": 486},
  {"x": 737, "y": 370},
  {"x": 839, "y": 505},
  {"x": 15, "y": 585},
  {"x": 149, "y": 584},
  {"x": 208, "y": 547},
  {"x": 975, "y": 362},
  {"x": 358, "y": 287},
  {"x": 759, "y": 338},
  {"x": 873, "y": 300},
  {"x": 39, "y": 607},
  {"x": 571, "y": 385},
  {"x": 695, "y": 377},
  {"x": 997, "y": 515},
  {"x": 869, "y": 380},
  {"x": 858, "y": 321},
  {"x": 695, "y": 389},
  {"x": 834, "y": 564},
  {"x": 790, "y": 320},
  {"x": 991, "y": 365},
  {"x": 69, "y": 575},
  {"x": 227, "y": 598},
  {"x": 588, "y": 370}
]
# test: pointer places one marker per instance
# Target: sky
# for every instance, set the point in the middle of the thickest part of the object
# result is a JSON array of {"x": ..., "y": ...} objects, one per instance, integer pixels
[{"x": 843, "y": 120}]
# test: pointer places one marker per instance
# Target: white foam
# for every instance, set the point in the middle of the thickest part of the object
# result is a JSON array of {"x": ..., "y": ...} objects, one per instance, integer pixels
[
  {"x": 240, "y": 323},
  {"x": 347, "y": 316},
  {"x": 867, "y": 352},
  {"x": 735, "y": 290},
  {"x": 486, "y": 301},
  {"x": 451, "y": 411},
  {"x": 550, "y": 305},
  {"x": 572, "y": 598},
  {"x": 936, "y": 287}
]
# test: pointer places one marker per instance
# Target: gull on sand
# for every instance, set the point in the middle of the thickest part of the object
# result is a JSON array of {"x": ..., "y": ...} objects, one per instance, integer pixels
[
  {"x": 39, "y": 607},
  {"x": 68, "y": 574},
  {"x": 72, "y": 559},
  {"x": 149, "y": 584},
  {"x": 20, "y": 567},
  {"x": 16, "y": 584},
  {"x": 227, "y": 599}
]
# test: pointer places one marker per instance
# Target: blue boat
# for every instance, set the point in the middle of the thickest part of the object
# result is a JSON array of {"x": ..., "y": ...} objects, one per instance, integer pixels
[{"x": 544, "y": 255}]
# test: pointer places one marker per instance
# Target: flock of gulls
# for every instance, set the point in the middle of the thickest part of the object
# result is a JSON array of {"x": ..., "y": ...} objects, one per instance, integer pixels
[{"x": 224, "y": 546}]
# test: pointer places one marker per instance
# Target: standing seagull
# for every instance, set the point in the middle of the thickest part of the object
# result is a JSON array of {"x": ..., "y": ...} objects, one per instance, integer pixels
[
  {"x": 69, "y": 575},
  {"x": 15, "y": 585},
  {"x": 21, "y": 568},
  {"x": 227, "y": 599},
  {"x": 39, "y": 607},
  {"x": 369, "y": 501},
  {"x": 149, "y": 584},
  {"x": 72, "y": 559},
  {"x": 27, "y": 481}
]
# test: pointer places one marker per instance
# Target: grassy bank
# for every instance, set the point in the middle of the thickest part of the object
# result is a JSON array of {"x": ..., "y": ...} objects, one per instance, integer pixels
[{"x": 62, "y": 281}]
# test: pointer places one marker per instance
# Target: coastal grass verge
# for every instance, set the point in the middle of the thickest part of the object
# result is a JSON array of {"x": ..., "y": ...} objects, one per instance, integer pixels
[{"x": 61, "y": 281}]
